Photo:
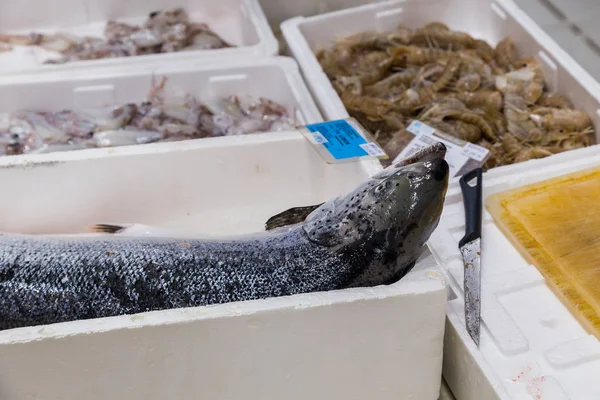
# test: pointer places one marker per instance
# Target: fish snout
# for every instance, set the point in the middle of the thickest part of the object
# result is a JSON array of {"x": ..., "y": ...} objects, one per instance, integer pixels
[
  {"x": 441, "y": 148},
  {"x": 439, "y": 169}
]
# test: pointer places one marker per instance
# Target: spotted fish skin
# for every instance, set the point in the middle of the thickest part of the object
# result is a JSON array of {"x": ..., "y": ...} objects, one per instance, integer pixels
[
  {"x": 115, "y": 276},
  {"x": 370, "y": 236}
]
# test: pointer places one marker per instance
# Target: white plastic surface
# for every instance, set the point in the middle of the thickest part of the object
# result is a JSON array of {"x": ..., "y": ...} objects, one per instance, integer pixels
[
  {"x": 276, "y": 78},
  {"x": 530, "y": 344},
  {"x": 239, "y": 22},
  {"x": 278, "y": 11},
  {"x": 490, "y": 20},
  {"x": 526, "y": 330},
  {"x": 383, "y": 342}
]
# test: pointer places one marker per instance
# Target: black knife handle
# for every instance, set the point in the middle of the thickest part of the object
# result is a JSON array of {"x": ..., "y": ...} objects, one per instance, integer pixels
[{"x": 472, "y": 201}]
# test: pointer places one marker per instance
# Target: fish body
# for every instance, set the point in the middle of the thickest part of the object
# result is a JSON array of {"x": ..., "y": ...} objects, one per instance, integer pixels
[
  {"x": 370, "y": 236},
  {"x": 47, "y": 280}
]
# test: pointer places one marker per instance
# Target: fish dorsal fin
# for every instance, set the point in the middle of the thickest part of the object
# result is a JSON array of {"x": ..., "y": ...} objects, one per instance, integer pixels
[{"x": 291, "y": 216}]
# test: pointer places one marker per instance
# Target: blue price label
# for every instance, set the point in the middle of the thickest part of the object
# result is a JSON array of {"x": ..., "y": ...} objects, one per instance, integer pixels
[{"x": 341, "y": 139}]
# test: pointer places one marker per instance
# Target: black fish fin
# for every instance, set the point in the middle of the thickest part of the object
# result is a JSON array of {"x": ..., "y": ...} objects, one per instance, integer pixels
[
  {"x": 107, "y": 228},
  {"x": 291, "y": 216}
]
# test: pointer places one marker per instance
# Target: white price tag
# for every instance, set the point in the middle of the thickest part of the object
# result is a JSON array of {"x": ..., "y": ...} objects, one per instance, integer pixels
[
  {"x": 457, "y": 156},
  {"x": 373, "y": 149},
  {"x": 417, "y": 128},
  {"x": 317, "y": 138},
  {"x": 475, "y": 152}
]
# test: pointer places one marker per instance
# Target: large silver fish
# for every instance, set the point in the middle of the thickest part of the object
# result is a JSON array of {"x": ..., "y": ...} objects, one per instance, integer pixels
[{"x": 370, "y": 236}]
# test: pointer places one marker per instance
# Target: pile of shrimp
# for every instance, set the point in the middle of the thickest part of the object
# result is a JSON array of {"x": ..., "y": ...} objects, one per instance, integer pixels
[
  {"x": 459, "y": 85},
  {"x": 163, "y": 116},
  {"x": 164, "y": 31}
]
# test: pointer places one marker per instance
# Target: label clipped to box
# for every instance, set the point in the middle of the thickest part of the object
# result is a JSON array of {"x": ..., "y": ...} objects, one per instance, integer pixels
[
  {"x": 461, "y": 156},
  {"x": 342, "y": 140}
]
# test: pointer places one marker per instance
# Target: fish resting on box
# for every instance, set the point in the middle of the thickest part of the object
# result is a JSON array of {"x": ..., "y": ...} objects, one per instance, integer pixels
[{"x": 370, "y": 236}]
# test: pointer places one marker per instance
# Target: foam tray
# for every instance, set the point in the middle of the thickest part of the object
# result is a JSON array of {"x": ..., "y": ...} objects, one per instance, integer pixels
[
  {"x": 240, "y": 22},
  {"x": 490, "y": 20},
  {"x": 531, "y": 346},
  {"x": 276, "y": 78},
  {"x": 383, "y": 342}
]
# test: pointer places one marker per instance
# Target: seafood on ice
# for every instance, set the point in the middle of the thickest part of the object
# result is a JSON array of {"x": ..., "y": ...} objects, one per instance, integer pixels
[
  {"x": 459, "y": 85},
  {"x": 162, "y": 116}
]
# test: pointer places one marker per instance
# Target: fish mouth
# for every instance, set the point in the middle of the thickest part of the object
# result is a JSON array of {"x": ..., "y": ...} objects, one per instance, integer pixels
[{"x": 433, "y": 152}]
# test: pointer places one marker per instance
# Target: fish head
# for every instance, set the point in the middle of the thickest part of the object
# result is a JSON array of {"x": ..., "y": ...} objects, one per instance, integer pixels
[{"x": 386, "y": 221}]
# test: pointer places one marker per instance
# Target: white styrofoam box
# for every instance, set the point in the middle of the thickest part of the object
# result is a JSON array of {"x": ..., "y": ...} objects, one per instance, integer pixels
[
  {"x": 530, "y": 345},
  {"x": 490, "y": 20},
  {"x": 445, "y": 393},
  {"x": 579, "y": 10},
  {"x": 383, "y": 342},
  {"x": 276, "y": 78},
  {"x": 537, "y": 10},
  {"x": 278, "y": 11},
  {"x": 239, "y": 22},
  {"x": 576, "y": 44}
]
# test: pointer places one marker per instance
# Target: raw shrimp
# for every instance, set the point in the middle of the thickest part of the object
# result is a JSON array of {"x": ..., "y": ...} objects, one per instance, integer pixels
[
  {"x": 428, "y": 74},
  {"x": 468, "y": 80},
  {"x": 402, "y": 78},
  {"x": 517, "y": 115},
  {"x": 416, "y": 56},
  {"x": 370, "y": 106},
  {"x": 459, "y": 129},
  {"x": 413, "y": 99},
  {"x": 532, "y": 153},
  {"x": 555, "y": 100},
  {"x": 534, "y": 87},
  {"x": 511, "y": 145},
  {"x": 437, "y": 35},
  {"x": 506, "y": 54},
  {"x": 474, "y": 119},
  {"x": 459, "y": 85},
  {"x": 567, "y": 119},
  {"x": 483, "y": 97},
  {"x": 484, "y": 50}
]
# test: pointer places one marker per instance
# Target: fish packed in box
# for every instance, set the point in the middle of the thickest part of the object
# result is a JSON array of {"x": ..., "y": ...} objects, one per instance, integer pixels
[
  {"x": 457, "y": 84},
  {"x": 164, "y": 31},
  {"x": 370, "y": 236},
  {"x": 162, "y": 116}
]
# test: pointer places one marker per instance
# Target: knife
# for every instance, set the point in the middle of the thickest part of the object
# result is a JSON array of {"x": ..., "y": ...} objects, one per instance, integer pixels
[{"x": 470, "y": 248}]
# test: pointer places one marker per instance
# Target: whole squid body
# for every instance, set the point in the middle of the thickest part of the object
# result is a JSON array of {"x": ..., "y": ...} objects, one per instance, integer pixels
[{"x": 371, "y": 236}]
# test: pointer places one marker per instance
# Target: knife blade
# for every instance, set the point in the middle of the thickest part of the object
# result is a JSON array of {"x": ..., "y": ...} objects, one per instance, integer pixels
[{"x": 470, "y": 248}]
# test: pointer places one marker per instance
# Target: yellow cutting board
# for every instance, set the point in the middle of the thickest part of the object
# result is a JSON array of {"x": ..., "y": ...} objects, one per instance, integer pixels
[{"x": 555, "y": 225}]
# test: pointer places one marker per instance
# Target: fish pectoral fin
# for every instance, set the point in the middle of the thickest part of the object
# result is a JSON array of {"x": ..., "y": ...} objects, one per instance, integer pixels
[
  {"x": 291, "y": 216},
  {"x": 111, "y": 229}
]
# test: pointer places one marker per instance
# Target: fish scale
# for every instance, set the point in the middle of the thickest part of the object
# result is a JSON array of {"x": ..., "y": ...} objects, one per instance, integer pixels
[
  {"x": 116, "y": 276},
  {"x": 370, "y": 236}
]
